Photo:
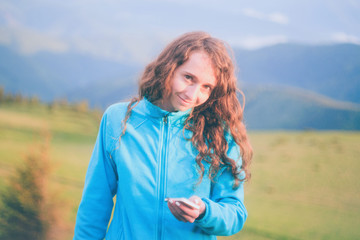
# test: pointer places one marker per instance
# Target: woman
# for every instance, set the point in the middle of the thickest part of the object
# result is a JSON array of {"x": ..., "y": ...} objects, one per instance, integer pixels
[{"x": 183, "y": 137}]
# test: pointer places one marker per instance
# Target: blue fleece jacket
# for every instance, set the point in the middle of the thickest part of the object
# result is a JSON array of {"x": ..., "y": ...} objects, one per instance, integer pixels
[{"x": 152, "y": 161}]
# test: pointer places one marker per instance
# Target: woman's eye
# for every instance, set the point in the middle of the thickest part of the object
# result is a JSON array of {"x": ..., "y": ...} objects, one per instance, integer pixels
[
  {"x": 208, "y": 88},
  {"x": 188, "y": 77}
]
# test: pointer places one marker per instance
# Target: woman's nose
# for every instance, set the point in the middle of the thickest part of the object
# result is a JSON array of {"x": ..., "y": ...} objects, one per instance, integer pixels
[{"x": 192, "y": 92}]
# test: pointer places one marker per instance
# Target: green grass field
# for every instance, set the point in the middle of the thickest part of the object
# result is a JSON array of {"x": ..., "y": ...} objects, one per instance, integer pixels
[{"x": 305, "y": 185}]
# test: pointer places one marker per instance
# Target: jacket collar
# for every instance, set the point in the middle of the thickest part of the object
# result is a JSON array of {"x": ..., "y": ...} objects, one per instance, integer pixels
[{"x": 153, "y": 111}]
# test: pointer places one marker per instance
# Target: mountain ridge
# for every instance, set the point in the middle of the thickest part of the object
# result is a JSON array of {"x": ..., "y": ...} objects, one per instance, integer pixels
[
  {"x": 272, "y": 76},
  {"x": 331, "y": 70}
]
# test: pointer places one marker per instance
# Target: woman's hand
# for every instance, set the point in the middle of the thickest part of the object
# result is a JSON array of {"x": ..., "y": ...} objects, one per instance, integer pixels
[{"x": 184, "y": 212}]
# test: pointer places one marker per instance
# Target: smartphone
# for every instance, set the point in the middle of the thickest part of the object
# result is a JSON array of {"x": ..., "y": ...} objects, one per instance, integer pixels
[{"x": 184, "y": 201}]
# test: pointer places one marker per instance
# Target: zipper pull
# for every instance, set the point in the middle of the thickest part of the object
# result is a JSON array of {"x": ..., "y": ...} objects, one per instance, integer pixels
[{"x": 165, "y": 119}]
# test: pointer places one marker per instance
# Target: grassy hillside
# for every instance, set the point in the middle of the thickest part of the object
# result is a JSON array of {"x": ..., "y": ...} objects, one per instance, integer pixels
[
  {"x": 275, "y": 107},
  {"x": 72, "y": 130},
  {"x": 305, "y": 184}
]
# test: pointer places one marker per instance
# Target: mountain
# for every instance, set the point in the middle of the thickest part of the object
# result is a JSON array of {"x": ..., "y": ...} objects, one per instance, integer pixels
[
  {"x": 331, "y": 70},
  {"x": 19, "y": 74},
  {"x": 287, "y": 86},
  {"x": 104, "y": 93},
  {"x": 50, "y": 76}
]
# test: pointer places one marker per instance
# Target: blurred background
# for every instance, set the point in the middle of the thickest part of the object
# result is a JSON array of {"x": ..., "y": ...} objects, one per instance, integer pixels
[{"x": 63, "y": 62}]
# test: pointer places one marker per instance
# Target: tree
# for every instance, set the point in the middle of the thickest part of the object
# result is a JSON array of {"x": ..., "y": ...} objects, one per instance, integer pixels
[
  {"x": 82, "y": 106},
  {"x": 1, "y": 94},
  {"x": 24, "y": 206}
]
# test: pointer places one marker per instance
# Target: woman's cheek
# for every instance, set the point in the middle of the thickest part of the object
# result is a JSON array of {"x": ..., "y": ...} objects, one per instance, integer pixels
[
  {"x": 180, "y": 85},
  {"x": 203, "y": 98}
]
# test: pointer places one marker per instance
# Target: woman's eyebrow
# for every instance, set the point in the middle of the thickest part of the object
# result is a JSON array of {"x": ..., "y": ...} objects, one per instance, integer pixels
[{"x": 191, "y": 74}]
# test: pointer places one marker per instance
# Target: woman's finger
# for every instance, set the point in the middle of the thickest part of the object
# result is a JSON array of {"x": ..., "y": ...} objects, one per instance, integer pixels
[
  {"x": 186, "y": 212},
  {"x": 175, "y": 211}
]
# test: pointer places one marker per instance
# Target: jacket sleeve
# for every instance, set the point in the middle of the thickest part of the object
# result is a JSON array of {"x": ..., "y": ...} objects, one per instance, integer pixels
[
  {"x": 100, "y": 187},
  {"x": 225, "y": 212}
]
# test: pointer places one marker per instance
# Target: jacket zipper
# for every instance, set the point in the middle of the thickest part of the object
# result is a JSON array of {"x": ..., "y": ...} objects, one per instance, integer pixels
[{"x": 162, "y": 177}]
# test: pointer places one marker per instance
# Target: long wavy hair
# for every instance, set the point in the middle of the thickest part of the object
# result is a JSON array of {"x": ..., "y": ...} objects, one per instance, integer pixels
[{"x": 209, "y": 122}]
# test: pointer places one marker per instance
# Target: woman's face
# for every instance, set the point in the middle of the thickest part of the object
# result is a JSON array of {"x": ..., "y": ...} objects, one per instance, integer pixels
[{"x": 191, "y": 84}]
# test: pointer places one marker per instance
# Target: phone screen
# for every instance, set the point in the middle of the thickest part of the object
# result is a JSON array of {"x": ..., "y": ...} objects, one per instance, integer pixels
[{"x": 184, "y": 201}]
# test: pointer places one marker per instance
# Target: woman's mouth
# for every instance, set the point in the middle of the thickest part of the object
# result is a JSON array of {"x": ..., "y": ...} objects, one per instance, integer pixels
[{"x": 184, "y": 101}]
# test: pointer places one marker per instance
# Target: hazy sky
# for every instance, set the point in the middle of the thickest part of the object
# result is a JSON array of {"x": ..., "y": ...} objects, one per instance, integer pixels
[{"x": 136, "y": 30}]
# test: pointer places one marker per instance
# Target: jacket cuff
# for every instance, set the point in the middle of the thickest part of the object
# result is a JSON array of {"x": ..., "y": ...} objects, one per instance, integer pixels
[{"x": 204, "y": 219}]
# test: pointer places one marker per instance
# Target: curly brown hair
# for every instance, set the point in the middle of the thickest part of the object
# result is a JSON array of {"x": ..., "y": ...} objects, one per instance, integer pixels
[{"x": 210, "y": 121}]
